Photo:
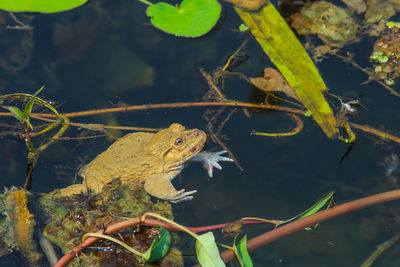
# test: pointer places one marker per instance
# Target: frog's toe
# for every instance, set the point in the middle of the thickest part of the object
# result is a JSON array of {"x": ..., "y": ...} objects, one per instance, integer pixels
[
  {"x": 160, "y": 186},
  {"x": 181, "y": 195}
]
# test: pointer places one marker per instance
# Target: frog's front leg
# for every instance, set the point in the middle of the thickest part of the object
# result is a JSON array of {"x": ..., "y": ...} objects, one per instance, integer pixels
[
  {"x": 160, "y": 186},
  {"x": 210, "y": 160}
]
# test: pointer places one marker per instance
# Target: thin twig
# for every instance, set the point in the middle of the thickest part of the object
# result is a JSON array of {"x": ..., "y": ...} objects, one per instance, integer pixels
[
  {"x": 294, "y": 131},
  {"x": 379, "y": 250},
  {"x": 21, "y": 26},
  {"x": 222, "y": 124},
  {"x": 370, "y": 73}
]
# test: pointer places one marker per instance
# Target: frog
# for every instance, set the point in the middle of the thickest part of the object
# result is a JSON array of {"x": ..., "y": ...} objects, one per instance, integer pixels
[{"x": 150, "y": 161}]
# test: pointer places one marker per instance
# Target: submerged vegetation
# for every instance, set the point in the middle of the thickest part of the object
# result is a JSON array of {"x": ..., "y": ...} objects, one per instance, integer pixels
[{"x": 116, "y": 218}]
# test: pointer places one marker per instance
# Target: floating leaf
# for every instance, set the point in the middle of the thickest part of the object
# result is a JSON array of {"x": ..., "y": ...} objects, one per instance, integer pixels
[
  {"x": 160, "y": 245},
  {"x": 207, "y": 251},
  {"x": 243, "y": 254},
  {"x": 193, "y": 18},
  {"x": 43, "y": 6}
]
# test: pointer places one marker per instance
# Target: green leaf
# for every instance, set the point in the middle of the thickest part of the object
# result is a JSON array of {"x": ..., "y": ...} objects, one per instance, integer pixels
[
  {"x": 243, "y": 27},
  {"x": 327, "y": 198},
  {"x": 17, "y": 113},
  {"x": 287, "y": 53},
  {"x": 193, "y": 18},
  {"x": 207, "y": 251},
  {"x": 29, "y": 105},
  {"x": 43, "y": 6},
  {"x": 308, "y": 113},
  {"x": 243, "y": 254},
  {"x": 160, "y": 246}
]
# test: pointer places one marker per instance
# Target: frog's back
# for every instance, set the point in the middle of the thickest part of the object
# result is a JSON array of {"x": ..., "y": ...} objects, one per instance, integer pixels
[{"x": 126, "y": 159}]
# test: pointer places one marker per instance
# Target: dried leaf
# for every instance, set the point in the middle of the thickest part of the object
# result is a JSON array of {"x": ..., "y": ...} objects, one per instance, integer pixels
[
  {"x": 273, "y": 81},
  {"x": 233, "y": 229}
]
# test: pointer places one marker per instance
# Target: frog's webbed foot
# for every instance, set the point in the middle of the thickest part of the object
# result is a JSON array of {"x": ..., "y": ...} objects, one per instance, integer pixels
[
  {"x": 210, "y": 160},
  {"x": 181, "y": 196},
  {"x": 160, "y": 186}
]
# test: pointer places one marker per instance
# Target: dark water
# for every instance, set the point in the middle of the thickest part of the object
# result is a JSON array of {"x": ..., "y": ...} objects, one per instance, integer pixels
[{"x": 99, "y": 56}]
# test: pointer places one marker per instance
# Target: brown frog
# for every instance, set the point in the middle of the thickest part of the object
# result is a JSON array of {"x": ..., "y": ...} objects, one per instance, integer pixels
[{"x": 149, "y": 160}]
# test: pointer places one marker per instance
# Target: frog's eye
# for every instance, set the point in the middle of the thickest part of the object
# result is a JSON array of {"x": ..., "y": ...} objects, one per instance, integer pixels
[{"x": 178, "y": 141}]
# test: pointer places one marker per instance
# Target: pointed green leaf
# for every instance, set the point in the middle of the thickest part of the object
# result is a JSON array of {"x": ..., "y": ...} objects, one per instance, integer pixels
[
  {"x": 160, "y": 245},
  {"x": 193, "y": 18},
  {"x": 327, "y": 198},
  {"x": 289, "y": 56},
  {"x": 207, "y": 251},
  {"x": 241, "y": 248},
  {"x": 43, "y": 6},
  {"x": 29, "y": 105},
  {"x": 17, "y": 113}
]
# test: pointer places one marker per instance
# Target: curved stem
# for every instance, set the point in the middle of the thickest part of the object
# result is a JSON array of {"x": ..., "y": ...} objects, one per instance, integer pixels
[
  {"x": 122, "y": 244},
  {"x": 177, "y": 225},
  {"x": 58, "y": 134},
  {"x": 295, "y": 130}
]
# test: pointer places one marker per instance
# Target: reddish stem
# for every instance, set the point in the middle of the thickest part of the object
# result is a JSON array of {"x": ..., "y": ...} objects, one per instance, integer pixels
[
  {"x": 116, "y": 227},
  {"x": 314, "y": 219},
  {"x": 255, "y": 242}
]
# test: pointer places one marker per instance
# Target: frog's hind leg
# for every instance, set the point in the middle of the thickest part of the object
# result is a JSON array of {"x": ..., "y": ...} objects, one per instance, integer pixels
[
  {"x": 72, "y": 190},
  {"x": 159, "y": 185}
]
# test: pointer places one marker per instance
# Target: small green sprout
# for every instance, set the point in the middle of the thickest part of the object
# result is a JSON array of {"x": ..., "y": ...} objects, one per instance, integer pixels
[
  {"x": 308, "y": 113},
  {"x": 389, "y": 81},
  {"x": 378, "y": 56},
  {"x": 383, "y": 59},
  {"x": 243, "y": 27},
  {"x": 378, "y": 69},
  {"x": 374, "y": 56},
  {"x": 390, "y": 24}
]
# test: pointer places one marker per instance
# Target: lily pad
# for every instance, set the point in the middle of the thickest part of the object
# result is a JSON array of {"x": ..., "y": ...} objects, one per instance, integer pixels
[
  {"x": 43, "y": 6},
  {"x": 193, "y": 18}
]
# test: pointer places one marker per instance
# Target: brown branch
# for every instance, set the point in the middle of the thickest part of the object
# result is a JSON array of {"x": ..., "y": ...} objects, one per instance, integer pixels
[
  {"x": 318, "y": 217},
  {"x": 207, "y": 104},
  {"x": 381, "y": 134},
  {"x": 169, "y": 105},
  {"x": 371, "y": 74}
]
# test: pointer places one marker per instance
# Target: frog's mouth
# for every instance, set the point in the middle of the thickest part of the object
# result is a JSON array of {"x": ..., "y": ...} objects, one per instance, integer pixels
[{"x": 198, "y": 145}]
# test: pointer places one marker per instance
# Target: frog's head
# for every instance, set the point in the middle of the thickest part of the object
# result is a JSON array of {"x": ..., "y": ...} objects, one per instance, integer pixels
[{"x": 176, "y": 144}]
